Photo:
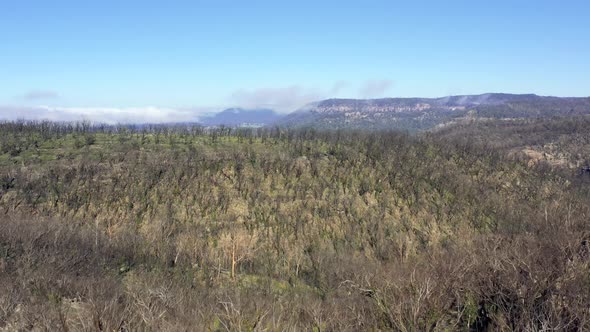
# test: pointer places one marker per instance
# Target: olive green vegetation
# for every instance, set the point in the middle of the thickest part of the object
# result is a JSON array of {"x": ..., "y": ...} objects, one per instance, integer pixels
[
  {"x": 174, "y": 228},
  {"x": 558, "y": 141}
]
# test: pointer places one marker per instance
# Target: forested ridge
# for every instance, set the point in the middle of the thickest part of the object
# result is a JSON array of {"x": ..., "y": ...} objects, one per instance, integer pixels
[
  {"x": 422, "y": 114},
  {"x": 176, "y": 228},
  {"x": 560, "y": 141}
]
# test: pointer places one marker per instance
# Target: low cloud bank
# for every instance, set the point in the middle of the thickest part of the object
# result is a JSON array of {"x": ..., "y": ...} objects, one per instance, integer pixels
[{"x": 107, "y": 115}]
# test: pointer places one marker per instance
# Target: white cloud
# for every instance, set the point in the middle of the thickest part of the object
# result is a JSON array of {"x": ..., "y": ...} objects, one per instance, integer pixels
[
  {"x": 291, "y": 98},
  {"x": 338, "y": 87},
  {"x": 375, "y": 88},
  {"x": 108, "y": 115},
  {"x": 40, "y": 95},
  {"x": 285, "y": 99}
]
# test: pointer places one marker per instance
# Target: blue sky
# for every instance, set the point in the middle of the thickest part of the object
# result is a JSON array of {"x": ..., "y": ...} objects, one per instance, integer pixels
[{"x": 116, "y": 60}]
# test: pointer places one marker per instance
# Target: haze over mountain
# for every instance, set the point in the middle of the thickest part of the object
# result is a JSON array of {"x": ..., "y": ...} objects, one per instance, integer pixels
[
  {"x": 424, "y": 113},
  {"x": 241, "y": 117}
]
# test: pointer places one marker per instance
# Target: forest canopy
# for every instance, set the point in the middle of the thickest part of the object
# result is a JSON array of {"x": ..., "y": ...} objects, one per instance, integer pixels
[{"x": 166, "y": 227}]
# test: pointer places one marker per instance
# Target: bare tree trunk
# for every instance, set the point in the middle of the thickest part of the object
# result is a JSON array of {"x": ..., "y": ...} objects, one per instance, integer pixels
[{"x": 233, "y": 261}]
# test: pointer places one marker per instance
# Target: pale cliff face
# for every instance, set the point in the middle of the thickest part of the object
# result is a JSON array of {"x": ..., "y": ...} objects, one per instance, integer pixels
[
  {"x": 382, "y": 108},
  {"x": 413, "y": 105},
  {"x": 419, "y": 107},
  {"x": 414, "y": 114}
]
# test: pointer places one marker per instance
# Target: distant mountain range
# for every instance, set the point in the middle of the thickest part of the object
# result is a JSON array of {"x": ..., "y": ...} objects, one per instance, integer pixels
[
  {"x": 411, "y": 114},
  {"x": 239, "y": 117},
  {"x": 414, "y": 114}
]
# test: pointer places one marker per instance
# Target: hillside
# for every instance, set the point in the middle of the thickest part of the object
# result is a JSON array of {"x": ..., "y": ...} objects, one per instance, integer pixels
[
  {"x": 415, "y": 114},
  {"x": 185, "y": 228},
  {"x": 561, "y": 141},
  {"x": 239, "y": 117}
]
